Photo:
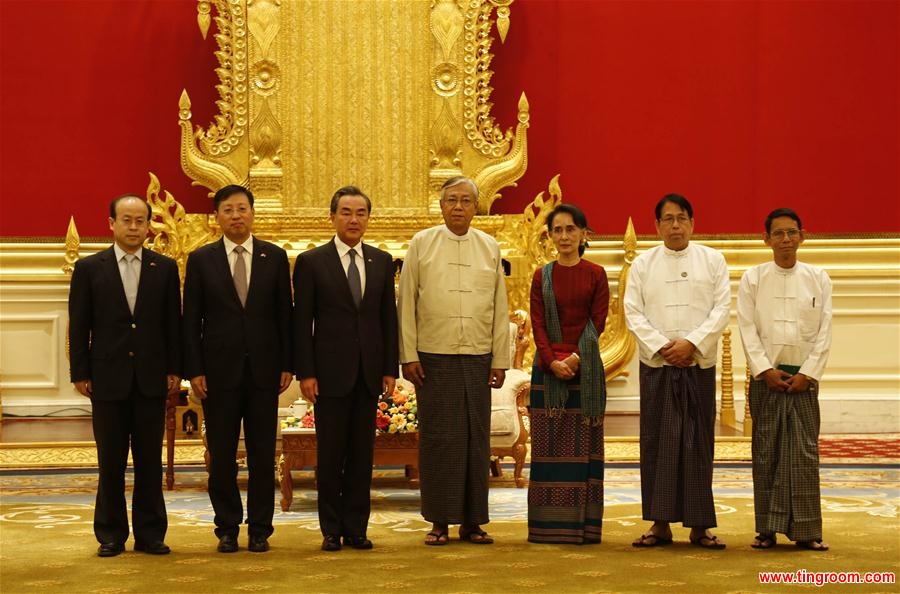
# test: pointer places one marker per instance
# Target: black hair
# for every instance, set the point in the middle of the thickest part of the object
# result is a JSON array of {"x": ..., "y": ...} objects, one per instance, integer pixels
[
  {"x": 229, "y": 191},
  {"x": 782, "y": 212},
  {"x": 348, "y": 191},
  {"x": 578, "y": 218},
  {"x": 676, "y": 199}
]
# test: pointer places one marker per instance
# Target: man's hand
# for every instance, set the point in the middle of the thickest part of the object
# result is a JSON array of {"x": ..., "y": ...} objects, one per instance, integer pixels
[
  {"x": 562, "y": 370},
  {"x": 173, "y": 384},
  {"x": 85, "y": 388},
  {"x": 198, "y": 384},
  {"x": 388, "y": 382},
  {"x": 309, "y": 387},
  {"x": 678, "y": 352},
  {"x": 286, "y": 378},
  {"x": 797, "y": 383},
  {"x": 776, "y": 379},
  {"x": 498, "y": 376},
  {"x": 413, "y": 372}
]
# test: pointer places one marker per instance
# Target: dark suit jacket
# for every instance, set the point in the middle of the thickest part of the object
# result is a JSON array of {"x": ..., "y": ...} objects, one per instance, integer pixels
[
  {"x": 332, "y": 337},
  {"x": 219, "y": 332},
  {"x": 110, "y": 346}
]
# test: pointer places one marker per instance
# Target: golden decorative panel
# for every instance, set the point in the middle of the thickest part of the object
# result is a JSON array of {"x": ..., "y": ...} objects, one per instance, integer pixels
[{"x": 391, "y": 95}]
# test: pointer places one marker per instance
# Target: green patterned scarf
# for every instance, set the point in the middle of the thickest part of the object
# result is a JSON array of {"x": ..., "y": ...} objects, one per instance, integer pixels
[{"x": 593, "y": 378}]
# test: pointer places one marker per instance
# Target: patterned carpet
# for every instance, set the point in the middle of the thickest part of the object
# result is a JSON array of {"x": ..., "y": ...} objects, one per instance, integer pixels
[{"x": 47, "y": 542}]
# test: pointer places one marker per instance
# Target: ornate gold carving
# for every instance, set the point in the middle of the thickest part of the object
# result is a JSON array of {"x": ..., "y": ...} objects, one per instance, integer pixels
[
  {"x": 726, "y": 416},
  {"x": 176, "y": 233},
  {"x": 502, "y": 17},
  {"x": 616, "y": 343},
  {"x": 219, "y": 155},
  {"x": 73, "y": 242},
  {"x": 203, "y": 18},
  {"x": 295, "y": 123},
  {"x": 446, "y": 23}
]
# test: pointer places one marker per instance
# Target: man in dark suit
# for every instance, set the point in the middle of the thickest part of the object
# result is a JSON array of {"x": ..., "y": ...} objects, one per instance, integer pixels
[
  {"x": 237, "y": 321},
  {"x": 125, "y": 355},
  {"x": 347, "y": 355}
]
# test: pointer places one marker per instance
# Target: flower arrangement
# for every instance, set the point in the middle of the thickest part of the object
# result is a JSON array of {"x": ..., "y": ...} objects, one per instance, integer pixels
[{"x": 397, "y": 412}]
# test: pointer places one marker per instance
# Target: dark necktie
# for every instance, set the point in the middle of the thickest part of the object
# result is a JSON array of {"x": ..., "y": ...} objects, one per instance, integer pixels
[
  {"x": 240, "y": 274},
  {"x": 353, "y": 279}
]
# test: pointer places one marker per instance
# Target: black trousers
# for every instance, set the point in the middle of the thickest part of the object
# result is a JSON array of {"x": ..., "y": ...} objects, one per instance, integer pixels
[
  {"x": 224, "y": 410},
  {"x": 138, "y": 422},
  {"x": 345, "y": 435}
]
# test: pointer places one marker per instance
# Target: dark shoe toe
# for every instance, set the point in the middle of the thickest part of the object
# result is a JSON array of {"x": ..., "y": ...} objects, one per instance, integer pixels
[
  {"x": 227, "y": 544},
  {"x": 331, "y": 543},
  {"x": 155, "y": 547},
  {"x": 358, "y": 542},
  {"x": 258, "y": 544},
  {"x": 110, "y": 549}
]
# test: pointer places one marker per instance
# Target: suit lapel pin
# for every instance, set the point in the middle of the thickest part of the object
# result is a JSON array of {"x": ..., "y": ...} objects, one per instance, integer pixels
[
  {"x": 262, "y": 255},
  {"x": 152, "y": 263}
]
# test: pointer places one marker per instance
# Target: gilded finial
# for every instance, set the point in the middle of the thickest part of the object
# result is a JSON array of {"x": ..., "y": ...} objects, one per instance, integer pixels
[{"x": 73, "y": 242}]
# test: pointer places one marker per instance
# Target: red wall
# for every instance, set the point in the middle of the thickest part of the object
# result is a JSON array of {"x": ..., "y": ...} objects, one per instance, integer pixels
[{"x": 740, "y": 105}]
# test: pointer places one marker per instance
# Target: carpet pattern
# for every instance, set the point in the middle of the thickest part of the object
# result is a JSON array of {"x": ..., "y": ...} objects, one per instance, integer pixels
[{"x": 48, "y": 545}]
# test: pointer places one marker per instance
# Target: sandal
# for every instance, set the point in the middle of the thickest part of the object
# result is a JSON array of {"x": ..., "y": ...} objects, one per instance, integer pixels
[
  {"x": 812, "y": 545},
  {"x": 437, "y": 539},
  {"x": 763, "y": 541},
  {"x": 708, "y": 542},
  {"x": 651, "y": 540},
  {"x": 476, "y": 536}
]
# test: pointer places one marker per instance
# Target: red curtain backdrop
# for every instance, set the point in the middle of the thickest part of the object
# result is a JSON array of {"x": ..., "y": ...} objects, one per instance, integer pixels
[{"x": 742, "y": 106}]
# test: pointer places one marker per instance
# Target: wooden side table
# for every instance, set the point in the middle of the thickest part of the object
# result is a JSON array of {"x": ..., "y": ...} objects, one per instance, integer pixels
[{"x": 298, "y": 450}]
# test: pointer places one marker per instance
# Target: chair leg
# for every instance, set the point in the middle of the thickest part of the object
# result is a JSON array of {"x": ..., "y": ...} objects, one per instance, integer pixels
[{"x": 519, "y": 456}]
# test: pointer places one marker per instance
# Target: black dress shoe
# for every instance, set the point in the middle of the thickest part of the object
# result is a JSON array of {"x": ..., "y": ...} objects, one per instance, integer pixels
[
  {"x": 155, "y": 547},
  {"x": 110, "y": 549},
  {"x": 227, "y": 544},
  {"x": 331, "y": 543},
  {"x": 358, "y": 542},
  {"x": 258, "y": 544}
]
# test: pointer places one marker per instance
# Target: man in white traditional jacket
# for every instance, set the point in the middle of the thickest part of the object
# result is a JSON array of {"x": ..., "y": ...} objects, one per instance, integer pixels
[
  {"x": 784, "y": 312},
  {"x": 454, "y": 346},
  {"x": 677, "y": 305}
]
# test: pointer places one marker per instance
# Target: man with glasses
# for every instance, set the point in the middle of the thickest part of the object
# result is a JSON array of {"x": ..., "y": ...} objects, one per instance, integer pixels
[
  {"x": 677, "y": 305},
  {"x": 454, "y": 346},
  {"x": 784, "y": 312}
]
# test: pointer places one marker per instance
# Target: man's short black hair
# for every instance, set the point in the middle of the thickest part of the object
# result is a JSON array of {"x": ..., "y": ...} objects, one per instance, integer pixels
[
  {"x": 782, "y": 212},
  {"x": 229, "y": 191},
  {"x": 348, "y": 191},
  {"x": 677, "y": 199}
]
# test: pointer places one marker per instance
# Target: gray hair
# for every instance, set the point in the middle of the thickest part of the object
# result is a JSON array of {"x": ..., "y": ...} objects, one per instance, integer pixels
[{"x": 455, "y": 181}]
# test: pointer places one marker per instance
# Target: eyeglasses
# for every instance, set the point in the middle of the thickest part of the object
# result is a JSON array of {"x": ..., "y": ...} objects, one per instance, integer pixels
[
  {"x": 464, "y": 202},
  {"x": 669, "y": 220},
  {"x": 781, "y": 233}
]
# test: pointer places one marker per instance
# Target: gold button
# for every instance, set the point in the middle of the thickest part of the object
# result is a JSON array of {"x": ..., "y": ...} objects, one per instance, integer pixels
[
  {"x": 134, "y": 325},
  {"x": 130, "y": 354}
]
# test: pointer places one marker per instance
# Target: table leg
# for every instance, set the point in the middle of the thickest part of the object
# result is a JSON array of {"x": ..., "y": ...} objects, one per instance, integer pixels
[{"x": 287, "y": 483}]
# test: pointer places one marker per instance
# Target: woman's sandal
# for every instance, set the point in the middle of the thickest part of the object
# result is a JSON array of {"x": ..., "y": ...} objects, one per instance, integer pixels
[
  {"x": 812, "y": 545},
  {"x": 651, "y": 540},
  {"x": 436, "y": 539},
  {"x": 708, "y": 542},
  {"x": 763, "y": 541},
  {"x": 476, "y": 536}
]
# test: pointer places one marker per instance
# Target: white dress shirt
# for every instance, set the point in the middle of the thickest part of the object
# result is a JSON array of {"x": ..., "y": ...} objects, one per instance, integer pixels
[
  {"x": 785, "y": 317},
  {"x": 678, "y": 294}
]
